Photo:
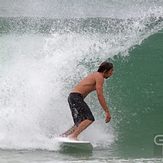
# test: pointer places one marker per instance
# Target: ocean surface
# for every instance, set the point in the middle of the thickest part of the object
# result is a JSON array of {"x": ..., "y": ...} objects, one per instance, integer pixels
[{"x": 47, "y": 47}]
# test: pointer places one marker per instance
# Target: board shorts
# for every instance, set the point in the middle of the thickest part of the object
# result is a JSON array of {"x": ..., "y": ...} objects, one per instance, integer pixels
[{"x": 79, "y": 109}]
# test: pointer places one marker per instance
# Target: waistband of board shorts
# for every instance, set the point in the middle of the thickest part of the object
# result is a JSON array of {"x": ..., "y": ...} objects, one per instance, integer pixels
[{"x": 76, "y": 94}]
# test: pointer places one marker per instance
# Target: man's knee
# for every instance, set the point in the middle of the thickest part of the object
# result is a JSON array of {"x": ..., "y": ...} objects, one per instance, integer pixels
[{"x": 90, "y": 121}]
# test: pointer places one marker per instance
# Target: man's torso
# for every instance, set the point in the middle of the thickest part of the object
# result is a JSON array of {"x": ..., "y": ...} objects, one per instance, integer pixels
[{"x": 87, "y": 85}]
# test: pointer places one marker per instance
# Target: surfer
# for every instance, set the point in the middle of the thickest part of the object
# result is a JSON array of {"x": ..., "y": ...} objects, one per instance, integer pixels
[{"x": 81, "y": 113}]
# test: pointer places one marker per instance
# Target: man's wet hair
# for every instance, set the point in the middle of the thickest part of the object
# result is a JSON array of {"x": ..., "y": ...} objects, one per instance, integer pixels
[{"x": 105, "y": 66}]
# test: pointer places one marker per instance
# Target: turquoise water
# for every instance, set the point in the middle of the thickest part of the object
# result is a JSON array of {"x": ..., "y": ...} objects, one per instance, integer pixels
[
  {"x": 138, "y": 97},
  {"x": 42, "y": 58}
]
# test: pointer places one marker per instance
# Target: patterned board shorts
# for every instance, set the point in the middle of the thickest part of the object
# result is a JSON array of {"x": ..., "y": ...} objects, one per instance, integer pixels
[{"x": 79, "y": 109}]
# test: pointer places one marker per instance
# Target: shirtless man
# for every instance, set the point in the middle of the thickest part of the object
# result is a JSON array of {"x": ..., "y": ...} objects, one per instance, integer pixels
[{"x": 81, "y": 113}]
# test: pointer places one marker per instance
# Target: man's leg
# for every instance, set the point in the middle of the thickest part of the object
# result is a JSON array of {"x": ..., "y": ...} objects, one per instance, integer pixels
[
  {"x": 83, "y": 125},
  {"x": 69, "y": 131}
]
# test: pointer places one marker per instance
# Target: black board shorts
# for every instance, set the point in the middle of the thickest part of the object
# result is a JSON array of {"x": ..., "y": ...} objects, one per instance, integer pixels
[{"x": 79, "y": 109}]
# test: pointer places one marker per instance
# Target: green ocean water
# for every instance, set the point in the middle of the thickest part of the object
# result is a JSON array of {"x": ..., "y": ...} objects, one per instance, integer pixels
[{"x": 137, "y": 96}]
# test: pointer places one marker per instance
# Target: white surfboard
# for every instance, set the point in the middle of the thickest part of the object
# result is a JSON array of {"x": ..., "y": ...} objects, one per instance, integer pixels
[{"x": 70, "y": 145}]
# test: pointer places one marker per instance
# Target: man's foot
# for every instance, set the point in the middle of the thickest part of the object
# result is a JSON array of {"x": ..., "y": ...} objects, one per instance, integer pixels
[
  {"x": 69, "y": 131},
  {"x": 72, "y": 137}
]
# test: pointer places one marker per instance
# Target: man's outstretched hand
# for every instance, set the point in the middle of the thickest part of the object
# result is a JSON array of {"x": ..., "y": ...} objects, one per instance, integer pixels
[{"x": 107, "y": 117}]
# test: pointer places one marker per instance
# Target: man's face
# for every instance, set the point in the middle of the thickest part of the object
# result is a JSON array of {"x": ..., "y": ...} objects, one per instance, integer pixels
[{"x": 108, "y": 73}]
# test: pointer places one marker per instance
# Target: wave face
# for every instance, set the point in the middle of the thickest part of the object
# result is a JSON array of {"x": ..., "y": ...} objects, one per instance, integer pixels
[{"x": 43, "y": 57}]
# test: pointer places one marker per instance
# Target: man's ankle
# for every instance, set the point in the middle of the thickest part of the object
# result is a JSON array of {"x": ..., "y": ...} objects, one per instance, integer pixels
[{"x": 72, "y": 137}]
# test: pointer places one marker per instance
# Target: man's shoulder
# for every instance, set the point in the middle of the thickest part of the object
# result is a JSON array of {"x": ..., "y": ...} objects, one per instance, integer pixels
[{"x": 98, "y": 76}]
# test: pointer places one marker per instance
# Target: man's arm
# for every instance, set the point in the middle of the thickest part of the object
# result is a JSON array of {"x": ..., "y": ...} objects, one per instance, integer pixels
[{"x": 99, "y": 90}]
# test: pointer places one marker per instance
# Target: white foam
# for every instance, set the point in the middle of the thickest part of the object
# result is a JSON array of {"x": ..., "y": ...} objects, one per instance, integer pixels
[
  {"x": 81, "y": 8},
  {"x": 68, "y": 140}
]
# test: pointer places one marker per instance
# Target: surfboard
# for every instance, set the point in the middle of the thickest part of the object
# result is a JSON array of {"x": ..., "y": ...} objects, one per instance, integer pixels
[{"x": 67, "y": 144}]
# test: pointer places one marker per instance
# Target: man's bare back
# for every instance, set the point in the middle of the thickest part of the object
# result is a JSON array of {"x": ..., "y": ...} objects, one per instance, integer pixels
[
  {"x": 94, "y": 81},
  {"x": 88, "y": 84}
]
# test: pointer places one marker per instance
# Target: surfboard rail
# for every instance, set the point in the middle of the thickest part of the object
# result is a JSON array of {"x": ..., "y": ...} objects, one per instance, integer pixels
[{"x": 70, "y": 145}]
